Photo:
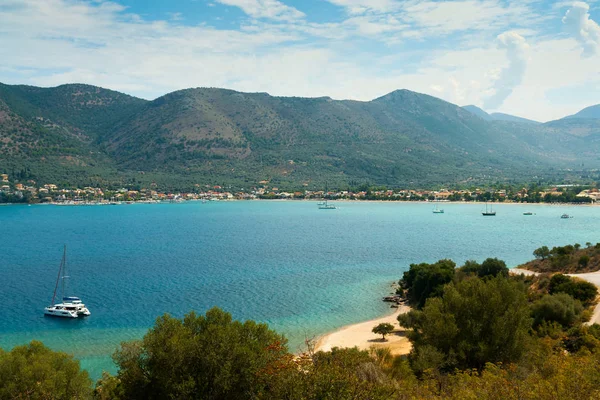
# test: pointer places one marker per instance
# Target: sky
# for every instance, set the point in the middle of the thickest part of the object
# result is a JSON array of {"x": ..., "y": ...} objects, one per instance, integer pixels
[{"x": 532, "y": 58}]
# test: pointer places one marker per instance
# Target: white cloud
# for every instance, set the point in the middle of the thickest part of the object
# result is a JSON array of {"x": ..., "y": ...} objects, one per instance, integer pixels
[
  {"x": 368, "y": 54},
  {"x": 270, "y": 9},
  {"x": 363, "y": 6},
  {"x": 443, "y": 17},
  {"x": 587, "y": 31},
  {"x": 512, "y": 75}
]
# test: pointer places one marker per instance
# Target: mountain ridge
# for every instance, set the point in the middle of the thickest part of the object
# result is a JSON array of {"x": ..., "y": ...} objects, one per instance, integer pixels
[
  {"x": 497, "y": 116},
  {"x": 222, "y": 135}
]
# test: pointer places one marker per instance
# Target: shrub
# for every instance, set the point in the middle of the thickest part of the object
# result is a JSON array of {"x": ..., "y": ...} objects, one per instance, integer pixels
[
  {"x": 581, "y": 290},
  {"x": 560, "y": 308}
]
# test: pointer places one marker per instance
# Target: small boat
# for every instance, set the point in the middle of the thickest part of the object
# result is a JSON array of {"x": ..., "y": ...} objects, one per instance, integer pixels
[
  {"x": 437, "y": 210},
  {"x": 326, "y": 206},
  {"x": 566, "y": 216},
  {"x": 528, "y": 213},
  {"x": 488, "y": 213},
  {"x": 323, "y": 205},
  {"x": 70, "y": 307}
]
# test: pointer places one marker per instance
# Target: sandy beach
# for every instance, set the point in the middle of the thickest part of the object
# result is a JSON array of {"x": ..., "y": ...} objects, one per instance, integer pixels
[{"x": 360, "y": 335}]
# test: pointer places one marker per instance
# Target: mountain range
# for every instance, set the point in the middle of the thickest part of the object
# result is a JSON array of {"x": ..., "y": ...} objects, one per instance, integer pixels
[
  {"x": 85, "y": 135},
  {"x": 497, "y": 116}
]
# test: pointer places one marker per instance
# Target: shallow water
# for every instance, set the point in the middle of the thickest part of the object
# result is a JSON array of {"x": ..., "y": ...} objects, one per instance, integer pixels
[{"x": 302, "y": 270}]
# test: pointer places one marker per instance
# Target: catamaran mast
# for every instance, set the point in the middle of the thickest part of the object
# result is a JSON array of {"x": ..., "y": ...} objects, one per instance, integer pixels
[
  {"x": 64, "y": 269},
  {"x": 60, "y": 269}
]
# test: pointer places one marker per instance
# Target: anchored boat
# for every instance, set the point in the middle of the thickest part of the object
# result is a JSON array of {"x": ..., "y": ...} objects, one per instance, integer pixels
[
  {"x": 488, "y": 213},
  {"x": 70, "y": 307},
  {"x": 323, "y": 205}
]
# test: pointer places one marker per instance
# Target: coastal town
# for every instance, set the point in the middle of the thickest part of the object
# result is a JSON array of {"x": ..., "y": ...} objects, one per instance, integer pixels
[{"x": 31, "y": 192}]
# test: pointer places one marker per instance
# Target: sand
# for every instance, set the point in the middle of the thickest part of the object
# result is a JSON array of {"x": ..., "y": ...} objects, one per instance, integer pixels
[{"x": 360, "y": 335}]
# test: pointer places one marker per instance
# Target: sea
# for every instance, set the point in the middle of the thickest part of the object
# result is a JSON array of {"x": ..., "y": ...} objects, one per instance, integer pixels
[{"x": 302, "y": 270}]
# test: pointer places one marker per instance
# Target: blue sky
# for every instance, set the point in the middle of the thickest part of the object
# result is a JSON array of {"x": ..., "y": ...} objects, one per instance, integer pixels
[{"x": 537, "y": 59}]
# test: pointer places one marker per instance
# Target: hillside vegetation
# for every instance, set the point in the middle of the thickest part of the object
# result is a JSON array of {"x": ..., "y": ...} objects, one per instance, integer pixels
[
  {"x": 84, "y": 134},
  {"x": 569, "y": 259}
]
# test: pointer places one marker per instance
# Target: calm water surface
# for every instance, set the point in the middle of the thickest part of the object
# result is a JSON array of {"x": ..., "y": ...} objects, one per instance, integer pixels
[{"x": 302, "y": 270}]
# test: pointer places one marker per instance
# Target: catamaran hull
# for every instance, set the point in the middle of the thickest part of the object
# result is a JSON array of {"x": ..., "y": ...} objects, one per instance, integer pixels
[{"x": 60, "y": 313}]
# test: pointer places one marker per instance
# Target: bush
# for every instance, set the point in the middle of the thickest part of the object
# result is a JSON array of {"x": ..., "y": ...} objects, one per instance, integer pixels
[
  {"x": 584, "y": 260},
  {"x": 560, "y": 308},
  {"x": 581, "y": 290}
]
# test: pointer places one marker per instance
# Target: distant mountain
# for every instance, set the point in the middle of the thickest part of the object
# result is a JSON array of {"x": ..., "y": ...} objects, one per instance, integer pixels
[
  {"x": 479, "y": 112},
  {"x": 511, "y": 118},
  {"x": 592, "y": 112},
  {"x": 582, "y": 127},
  {"x": 83, "y": 134},
  {"x": 497, "y": 116}
]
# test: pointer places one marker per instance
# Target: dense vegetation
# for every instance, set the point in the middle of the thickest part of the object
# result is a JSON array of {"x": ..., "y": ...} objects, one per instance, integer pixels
[{"x": 89, "y": 134}]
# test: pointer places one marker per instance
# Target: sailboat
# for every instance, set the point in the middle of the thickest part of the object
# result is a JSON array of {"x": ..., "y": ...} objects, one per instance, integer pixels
[
  {"x": 437, "y": 210},
  {"x": 70, "y": 307},
  {"x": 489, "y": 213},
  {"x": 323, "y": 204}
]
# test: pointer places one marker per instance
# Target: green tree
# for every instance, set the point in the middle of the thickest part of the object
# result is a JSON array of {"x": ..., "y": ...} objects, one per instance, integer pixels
[
  {"x": 383, "y": 329},
  {"x": 542, "y": 253},
  {"x": 471, "y": 267},
  {"x": 475, "y": 321},
  {"x": 208, "y": 356},
  {"x": 583, "y": 261},
  {"x": 34, "y": 371},
  {"x": 492, "y": 267},
  {"x": 426, "y": 280},
  {"x": 559, "y": 307}
]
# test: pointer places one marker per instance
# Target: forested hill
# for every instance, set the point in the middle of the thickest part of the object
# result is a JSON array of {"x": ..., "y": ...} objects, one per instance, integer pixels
[{"x": 83, "y": 134}]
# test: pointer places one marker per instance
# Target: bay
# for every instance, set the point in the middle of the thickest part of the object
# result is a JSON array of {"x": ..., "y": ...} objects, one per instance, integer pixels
[{"x": 302, "y": 270}]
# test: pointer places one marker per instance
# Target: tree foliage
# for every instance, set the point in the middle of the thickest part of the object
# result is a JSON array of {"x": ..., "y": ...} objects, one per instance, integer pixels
[
  {"x": 208, "y": 356},
  {"x": 383, "y": 329},
  {"x": 474, "y": 322},
  {"x": 34, "y": 371},
  {"x": 426, "y": 280},
  {"x": 542, "y": 252},
  {"x": 490, "y": 267}
]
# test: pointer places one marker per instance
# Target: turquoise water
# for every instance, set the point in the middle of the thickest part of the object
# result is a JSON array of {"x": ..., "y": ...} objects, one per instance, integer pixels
[{"x": 302, "y": 270}]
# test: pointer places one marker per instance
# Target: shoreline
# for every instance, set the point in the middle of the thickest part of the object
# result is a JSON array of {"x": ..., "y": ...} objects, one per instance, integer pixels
[
  {"x": 360, "y": 335},
  {"x": 308, "y": 200}
]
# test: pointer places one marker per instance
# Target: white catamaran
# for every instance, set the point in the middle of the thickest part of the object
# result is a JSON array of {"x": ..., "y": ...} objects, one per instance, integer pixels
[{"x": 70, "y": 307}]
